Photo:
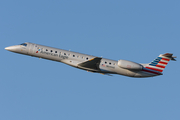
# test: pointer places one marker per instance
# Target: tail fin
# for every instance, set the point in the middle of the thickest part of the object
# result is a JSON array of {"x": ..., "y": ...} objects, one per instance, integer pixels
[{"x": 160, "y": 62}]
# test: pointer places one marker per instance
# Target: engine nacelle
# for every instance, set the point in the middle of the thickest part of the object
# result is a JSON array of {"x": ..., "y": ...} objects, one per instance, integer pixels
[{"x": 129, "y": 65}]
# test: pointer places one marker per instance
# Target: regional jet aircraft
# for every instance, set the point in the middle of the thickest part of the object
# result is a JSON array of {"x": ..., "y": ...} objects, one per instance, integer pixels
[{"x": 93, "y": 63}]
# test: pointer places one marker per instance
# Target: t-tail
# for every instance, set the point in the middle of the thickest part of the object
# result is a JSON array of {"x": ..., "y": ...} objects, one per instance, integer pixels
[{"x": 159, "y": 64}]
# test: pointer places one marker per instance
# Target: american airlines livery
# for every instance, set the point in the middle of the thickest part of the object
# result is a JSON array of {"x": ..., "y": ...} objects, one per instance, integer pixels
[{"x": 93, "y": 63}]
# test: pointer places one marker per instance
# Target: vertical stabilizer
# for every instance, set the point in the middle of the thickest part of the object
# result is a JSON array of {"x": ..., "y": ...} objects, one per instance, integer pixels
[{"x": 160, "y": 62}]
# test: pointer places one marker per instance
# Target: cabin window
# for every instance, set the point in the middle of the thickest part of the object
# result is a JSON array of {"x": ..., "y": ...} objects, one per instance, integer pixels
[
  {"x": 55, "y": 51},
  {"x": 105, "y": 62},
  {"x": 87, "y": 58},
  {"x": 51, "y": 50},
  {"x": 64, "y": 53},
  {"x": 110, "y": 63},
  {"x": 73, "y": 55},
  {"x": 46, "y": 49}
]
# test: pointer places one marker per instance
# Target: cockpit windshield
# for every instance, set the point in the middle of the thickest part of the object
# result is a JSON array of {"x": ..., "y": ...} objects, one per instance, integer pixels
[{"x": 24, "y": 44}]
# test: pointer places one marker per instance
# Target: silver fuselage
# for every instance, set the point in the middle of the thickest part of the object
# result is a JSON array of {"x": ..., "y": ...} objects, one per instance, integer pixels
[{"x": 106, "y": 66}]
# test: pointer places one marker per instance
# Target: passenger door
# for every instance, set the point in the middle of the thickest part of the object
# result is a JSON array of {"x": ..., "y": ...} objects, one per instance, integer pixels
[{"x": 31, "y": 48}]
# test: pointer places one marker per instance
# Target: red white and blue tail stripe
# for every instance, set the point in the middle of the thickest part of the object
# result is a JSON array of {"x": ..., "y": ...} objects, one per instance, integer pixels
[{"x": 158, "y": 65}]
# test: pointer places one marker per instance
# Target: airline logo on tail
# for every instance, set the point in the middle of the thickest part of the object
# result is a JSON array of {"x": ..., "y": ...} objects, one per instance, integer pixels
[{"x": 160, "y": 62}]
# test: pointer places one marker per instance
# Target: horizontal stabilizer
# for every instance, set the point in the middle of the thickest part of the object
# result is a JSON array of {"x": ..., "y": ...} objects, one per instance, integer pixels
[{"x": 169, "y": 55}]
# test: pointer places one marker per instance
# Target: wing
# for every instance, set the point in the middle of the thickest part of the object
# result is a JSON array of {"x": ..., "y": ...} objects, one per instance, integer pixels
[{"x": 92, "y": 64}]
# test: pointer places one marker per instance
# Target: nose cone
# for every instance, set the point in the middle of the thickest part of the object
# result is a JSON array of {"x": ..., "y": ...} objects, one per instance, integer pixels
[{"x": 11, "y": 48}]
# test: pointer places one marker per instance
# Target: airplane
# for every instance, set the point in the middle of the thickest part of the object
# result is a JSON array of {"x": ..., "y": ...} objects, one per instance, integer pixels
[{"x": 95, "y": 64}]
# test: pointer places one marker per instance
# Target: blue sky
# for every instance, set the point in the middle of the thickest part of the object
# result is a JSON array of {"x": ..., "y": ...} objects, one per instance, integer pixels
[{"x": 34, "y": 89}]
